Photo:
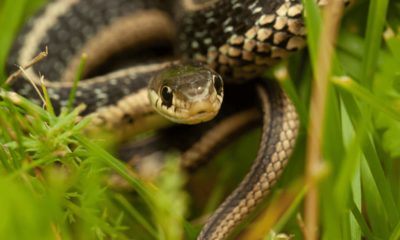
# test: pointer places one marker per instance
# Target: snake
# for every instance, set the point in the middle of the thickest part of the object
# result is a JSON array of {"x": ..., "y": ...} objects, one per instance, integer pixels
[{"x": 236, "y": 40}]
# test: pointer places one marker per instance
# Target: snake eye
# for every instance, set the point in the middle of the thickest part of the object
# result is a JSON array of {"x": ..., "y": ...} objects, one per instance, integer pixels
[
  {"x": 217, "y": 84},
  {"x": 166, "y": 95}
]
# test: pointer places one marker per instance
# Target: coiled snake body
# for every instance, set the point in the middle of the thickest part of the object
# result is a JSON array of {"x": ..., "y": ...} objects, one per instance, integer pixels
[{"x": 239, "y": 39}]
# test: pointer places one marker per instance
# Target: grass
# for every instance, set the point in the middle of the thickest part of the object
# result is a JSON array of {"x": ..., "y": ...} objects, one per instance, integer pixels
[{"x": 355, "y": 181}]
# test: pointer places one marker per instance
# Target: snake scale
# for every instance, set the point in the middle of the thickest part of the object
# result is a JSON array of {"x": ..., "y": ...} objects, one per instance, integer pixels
[{"x": 238, "y": 39}]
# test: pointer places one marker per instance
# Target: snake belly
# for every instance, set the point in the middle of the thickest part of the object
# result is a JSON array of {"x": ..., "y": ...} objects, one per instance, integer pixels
[{"x": 237, "y": 38}]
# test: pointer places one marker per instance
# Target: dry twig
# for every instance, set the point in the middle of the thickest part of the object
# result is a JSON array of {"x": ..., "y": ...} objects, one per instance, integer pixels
[{"x": 33, "y": 61}]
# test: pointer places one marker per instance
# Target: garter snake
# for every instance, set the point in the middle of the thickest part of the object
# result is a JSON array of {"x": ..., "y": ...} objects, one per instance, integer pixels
[{"x": 238, "y": 39}]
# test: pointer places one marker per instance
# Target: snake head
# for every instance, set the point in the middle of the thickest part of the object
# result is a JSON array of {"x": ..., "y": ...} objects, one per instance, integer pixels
[{"x": 187, "y": 93}]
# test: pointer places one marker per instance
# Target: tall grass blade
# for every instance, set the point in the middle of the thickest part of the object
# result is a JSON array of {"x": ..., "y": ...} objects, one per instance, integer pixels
[
  {"x": 77, "y": 78},
  {"x": 357, "y": 198},
  {"x": 282, "y": 75},
  {"x": 49, "y": 106},
  {"x": 396, "y": 233},
  {"x": 361, "y": 222},
  {"x": 136, "y": 215},
  {"x": 10, "y": 17},
  {"x": 357, "y": 90},
  {"x": 313, "y": 22},
  {"x": 359, "y": 122},
  {"x": 373, "y": 203},
  {"x": 375, "y": 23}
]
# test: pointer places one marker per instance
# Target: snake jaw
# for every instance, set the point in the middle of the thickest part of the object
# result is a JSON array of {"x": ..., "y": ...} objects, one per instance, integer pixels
[{"x": 185, "y": 112}]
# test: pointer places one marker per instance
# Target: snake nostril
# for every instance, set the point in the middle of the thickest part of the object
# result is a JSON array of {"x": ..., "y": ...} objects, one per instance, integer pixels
[{"x": 201, "y": 112}]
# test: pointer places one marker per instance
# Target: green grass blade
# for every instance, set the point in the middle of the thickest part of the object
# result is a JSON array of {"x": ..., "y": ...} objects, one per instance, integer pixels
[
  {"x": 10, "y": 17},
  {"x": 31, "y": 166},
  {"x": 361, "y": 222},
  {"x": 313, "y": 22},
  {"x": 351, "y": 65},
  {"x": 281, "y": 74},
  {"x": 332, "y": 132},
  {"x": 359, "y": 122},
  {"x": 136, "y": 215},
  {"x": 357, "y": 198},
  {"x": 116, "y": 165},
  {"x": 352, "y": 149},
  {"x": 357, "y": 90},
  {"x": 190, "y": 230},
  {"x": 77, "y": 78},
  {"x": 290, "y": 212},
  {"x": 373, "y": 203},
  {"x": 351, "y": 44},
  {"x": 4, "y": 160},
  {"x": 49, "y": 106},
  {"x": 375, "y": 23},
  {"x": 330, "y": 210},
  {"x": 345, "y": 221},
  {"x": 87, "y": 216},
  {"x": 13, "y": 125},
  {"x": 62, "y": 122},
  {"x": 396, "y": 233},
  {"x": 347, "y": 170}
]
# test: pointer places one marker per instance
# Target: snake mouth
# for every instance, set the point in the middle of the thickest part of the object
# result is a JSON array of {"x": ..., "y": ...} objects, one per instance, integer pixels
[
  {"x": 198, "y": 118},
  {"x": 184, "y": 112}
]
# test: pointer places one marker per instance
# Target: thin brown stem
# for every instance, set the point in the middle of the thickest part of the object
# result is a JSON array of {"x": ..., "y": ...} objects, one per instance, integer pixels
[
  {"x": 33, "y": 61},
  {"x": 55, "y": 232},
  {"x": 36, "y": 170},
  {"x": 333, "y": 13},
  {"x": 302, "y": 226}
]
